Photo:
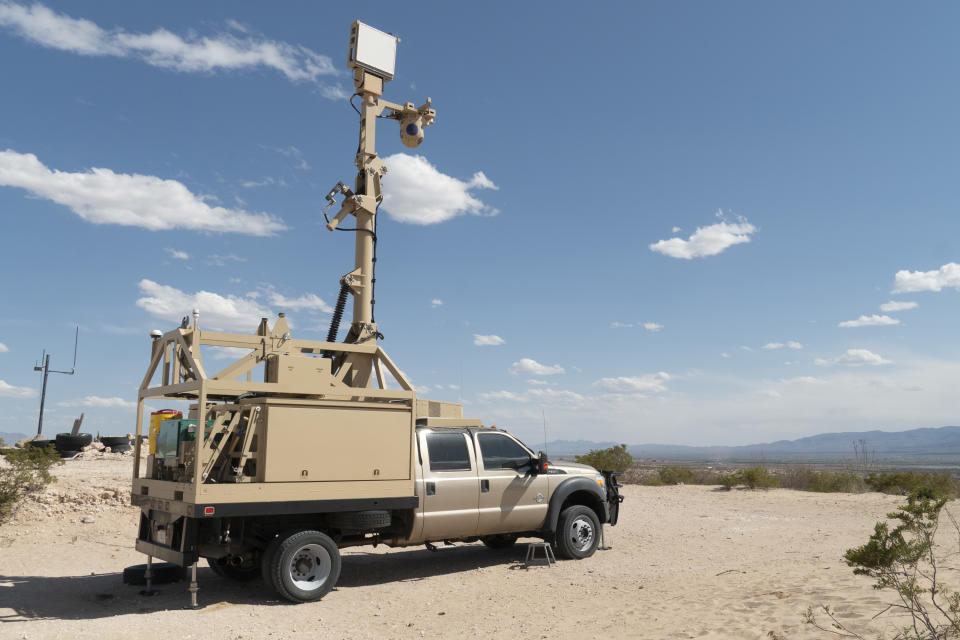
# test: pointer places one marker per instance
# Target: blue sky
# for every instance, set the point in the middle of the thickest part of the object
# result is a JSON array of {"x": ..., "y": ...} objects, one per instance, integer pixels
[{"x": 691, "y": 223}]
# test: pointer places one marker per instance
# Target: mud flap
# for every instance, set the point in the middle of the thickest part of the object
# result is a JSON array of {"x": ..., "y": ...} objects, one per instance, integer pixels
[{"x": 613, "y": 495}]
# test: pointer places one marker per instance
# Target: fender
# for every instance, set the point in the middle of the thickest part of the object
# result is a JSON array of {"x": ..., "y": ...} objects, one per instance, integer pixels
[{"x": 563, "y": 491}]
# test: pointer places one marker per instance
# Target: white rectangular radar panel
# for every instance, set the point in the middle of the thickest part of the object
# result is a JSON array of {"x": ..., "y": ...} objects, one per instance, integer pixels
[{"x": 372, "y": 50}]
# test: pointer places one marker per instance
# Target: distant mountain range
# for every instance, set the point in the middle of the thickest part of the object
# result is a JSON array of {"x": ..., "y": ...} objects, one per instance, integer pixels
[
  {"x": 942, "y": 442},
  {"x": 12, "y": 438}
]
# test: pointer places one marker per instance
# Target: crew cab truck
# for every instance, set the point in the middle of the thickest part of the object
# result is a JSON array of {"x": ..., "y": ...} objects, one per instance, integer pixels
[{"x": 270, "y": 479}]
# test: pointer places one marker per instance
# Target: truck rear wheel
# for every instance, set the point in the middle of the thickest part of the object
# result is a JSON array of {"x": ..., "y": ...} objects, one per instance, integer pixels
[
  {"x": 578, "y": 532},
  {"x": 306, "y": 565}
]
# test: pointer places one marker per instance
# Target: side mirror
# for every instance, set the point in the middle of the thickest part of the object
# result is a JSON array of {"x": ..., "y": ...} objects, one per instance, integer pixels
[{"x": 543, "y": 465}]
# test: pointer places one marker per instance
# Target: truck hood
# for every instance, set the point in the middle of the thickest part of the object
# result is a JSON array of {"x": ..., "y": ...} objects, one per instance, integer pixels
[{"x": 574, "y": 468}]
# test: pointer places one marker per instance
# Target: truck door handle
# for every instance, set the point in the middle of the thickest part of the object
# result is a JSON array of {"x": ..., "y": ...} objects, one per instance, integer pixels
[
  {"x": 484, "y": 486},
  {"x": 431, "y": 489}
]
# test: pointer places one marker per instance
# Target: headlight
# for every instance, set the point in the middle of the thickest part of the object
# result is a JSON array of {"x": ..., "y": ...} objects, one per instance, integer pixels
[{"x": 599, "y": 479}]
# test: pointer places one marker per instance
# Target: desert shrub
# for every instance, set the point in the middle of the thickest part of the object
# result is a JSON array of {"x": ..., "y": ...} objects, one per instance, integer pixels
[
  {"x": 26, "y": 471},
  {"x": 675, "y": 475},
  {"x": 615, "y": 458},
  {"x": 903, "y": 483},
  {"x": 636, "y": 475},
  {"x": 753, "y": 478},
  {"x": 806, "y": 479},
  {"x": 905, "y": 560}
]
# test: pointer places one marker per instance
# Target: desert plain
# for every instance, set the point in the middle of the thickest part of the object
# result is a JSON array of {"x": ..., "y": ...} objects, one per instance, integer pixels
[{"x": 684, "y": 562}]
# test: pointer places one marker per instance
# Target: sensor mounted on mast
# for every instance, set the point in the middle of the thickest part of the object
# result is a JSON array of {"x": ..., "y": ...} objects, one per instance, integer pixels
[{"x": 372, "y": 56}]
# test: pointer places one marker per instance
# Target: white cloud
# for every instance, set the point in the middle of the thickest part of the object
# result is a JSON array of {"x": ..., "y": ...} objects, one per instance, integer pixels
[
  {"x": 789, "y": 344},
  {"x": 4, "y": 348},
  {"x": 724, "y": 355},
  {"x": 947, "y": 276},
  {"x": 10, "y": 391},
  {"x": 228, "y": 353},
  {"x": 487, "y": 341},
  {"x": 898, "y": 306},
  {"x": 228, "y": 313},
  {"x": 178, "y": 255},
  {"x": 436, "y": 302},
  {"x": 100, "y": 402},
  {"x": 537, "y": 382},
  {"x": 532, "y": 367},
  {"x": 217, "y": 260},
  {"x": 649, "y": 383},
  {"x": 415, "y": 191},
  {"x": 308, "y": 301},
  {"x": 620, "y": 325},
  {"x": 161, "y": 48},
  {"x": 746, "y": 348},
  {"x": 294, "y": 154},
  {"x": 855, "y": 358},
  {"x": 707, "y": 241},
  {"x": 870, "y": 321},
  {"x": 652, "y": 326},
  {"x": 101, "y": 196},
  {"x": 676, "y": 230},
  {"x": 502, "y": 395}
]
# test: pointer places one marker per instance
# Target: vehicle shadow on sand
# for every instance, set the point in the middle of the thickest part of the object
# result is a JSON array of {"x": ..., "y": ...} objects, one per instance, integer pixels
[{"x": 105, "y": 595}]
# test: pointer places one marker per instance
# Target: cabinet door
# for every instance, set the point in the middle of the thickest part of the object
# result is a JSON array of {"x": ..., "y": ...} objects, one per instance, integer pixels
[
  {"x": 511, "y": 499},
  {"x": 451, "y": 486}
]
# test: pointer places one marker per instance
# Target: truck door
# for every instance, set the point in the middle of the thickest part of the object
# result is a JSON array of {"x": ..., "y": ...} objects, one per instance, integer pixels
[
  {"x": 511, "y": 499},
  {"x": 450, "y": 483}
]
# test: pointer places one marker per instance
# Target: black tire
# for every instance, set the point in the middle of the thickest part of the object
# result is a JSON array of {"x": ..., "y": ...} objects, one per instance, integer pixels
[
  {"x": 360, "y": 520},
  {"x": 305, "y": 566},
  {"x": 500, "y": 540},
  {"x": 69, "y": 442},
  {"x": 267, "y": 560},
  {"x": 69, "y": 454},
  {"x": 163, "y": 573},
  {"x": 40, "y": 444},
  {"x": 121, "y": 448},
  {"x": 115, "y": 441},
  {"x": 578, "y": 532},
  {"x": 246, "y": 572}
]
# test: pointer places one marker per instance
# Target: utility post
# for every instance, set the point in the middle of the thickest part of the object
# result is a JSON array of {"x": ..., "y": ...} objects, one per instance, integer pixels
[{"x": 45, "y": 358}]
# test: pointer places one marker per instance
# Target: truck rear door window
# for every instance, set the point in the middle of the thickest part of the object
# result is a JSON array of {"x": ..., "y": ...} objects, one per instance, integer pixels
[
  {"x": 448, "y": 452},
  {"x": 498, "y": 449}
]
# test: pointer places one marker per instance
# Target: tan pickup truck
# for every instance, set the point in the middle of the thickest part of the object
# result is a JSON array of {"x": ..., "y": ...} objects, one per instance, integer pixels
[{"x": 470, "y": 483}]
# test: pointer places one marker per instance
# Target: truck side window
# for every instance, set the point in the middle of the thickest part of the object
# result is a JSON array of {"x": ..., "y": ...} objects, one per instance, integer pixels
[
  {"x": 448, "y": 452},
  {"x": 498, "y": 449}
]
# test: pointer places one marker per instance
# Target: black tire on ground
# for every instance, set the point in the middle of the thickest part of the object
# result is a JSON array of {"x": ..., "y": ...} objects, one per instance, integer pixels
[
  {"x": 306, "y": 566},
  {"x": 120, "y": 448},
  {"x": 500, "y": 540},
  {"x": 246, "y": 572},
  {"x": 69, "y": 442},
  {"x": 163, "y": 572},
  {"x": 578, "y": 532},
  {"x": 115, "y": 441},
  {"x": 267, "y": 560},
  {"x": 360, "y": 520},
  {"x": 40, "y": 444},
  {"x": 69, "y": 454}
]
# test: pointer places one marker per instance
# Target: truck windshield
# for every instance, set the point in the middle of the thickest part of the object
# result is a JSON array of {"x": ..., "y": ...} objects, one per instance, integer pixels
[{"x": 498, "y": 449}]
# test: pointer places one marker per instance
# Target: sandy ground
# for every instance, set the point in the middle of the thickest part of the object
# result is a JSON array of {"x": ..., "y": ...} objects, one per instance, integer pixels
[{"x": 686, "y": 562}]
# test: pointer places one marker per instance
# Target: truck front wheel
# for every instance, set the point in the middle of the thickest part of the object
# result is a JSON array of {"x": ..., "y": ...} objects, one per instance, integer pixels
[
  {"x": 578, "y": 532},
  {"x": 305, "y": 566}
]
